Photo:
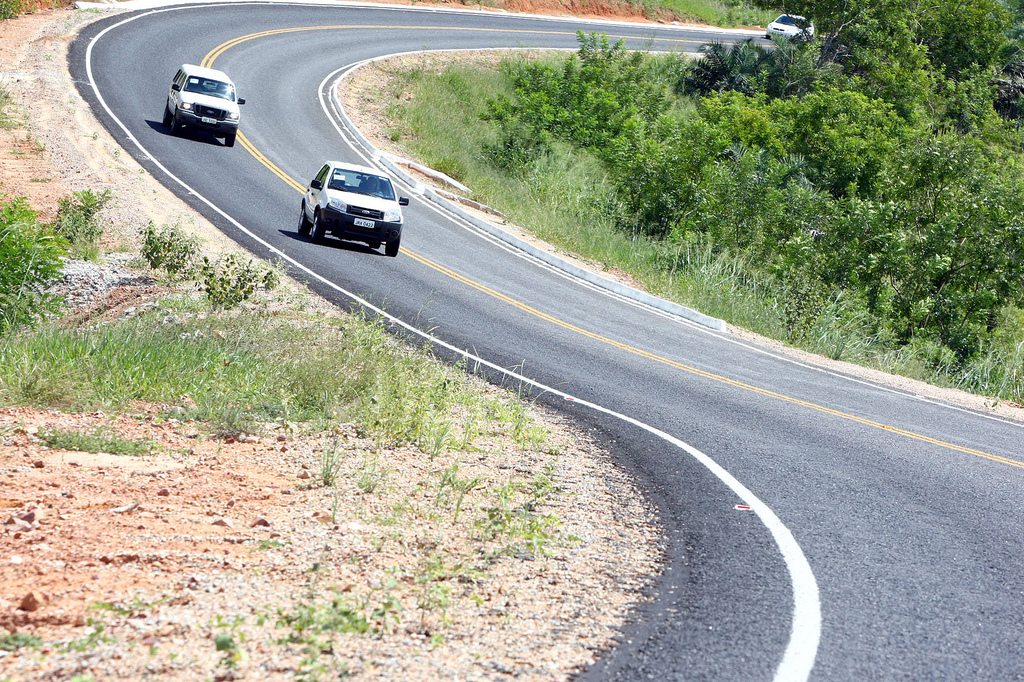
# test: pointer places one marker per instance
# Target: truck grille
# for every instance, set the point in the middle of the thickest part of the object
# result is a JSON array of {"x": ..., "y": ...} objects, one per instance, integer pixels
[
  {"x": 365, "y": 212},
  {"x": 210, "y": 112}
]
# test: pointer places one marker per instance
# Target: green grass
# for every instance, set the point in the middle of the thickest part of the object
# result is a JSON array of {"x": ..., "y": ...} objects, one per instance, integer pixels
[
  {"x": 239, "y": 371},
  {"x": 725, "y": 14},
  {"x": 564, "y": 199},
  {"x": 98, "y": 440},
  {"x": 12, "y": 641}
]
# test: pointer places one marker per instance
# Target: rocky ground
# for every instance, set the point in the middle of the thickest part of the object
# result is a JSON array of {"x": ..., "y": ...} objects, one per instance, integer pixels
[{"x": 215, "y": 558}]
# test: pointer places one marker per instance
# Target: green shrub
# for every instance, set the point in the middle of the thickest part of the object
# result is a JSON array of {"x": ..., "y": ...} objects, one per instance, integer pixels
[
  {"x": 29, "y": 262},
  {"x": 76, "y": 220},
  {"x": 170, "y": 249},
  {"x": 16, "y": 640},
  {"x": 233, "y": 279},
  {"x": 9, "y": 9}
]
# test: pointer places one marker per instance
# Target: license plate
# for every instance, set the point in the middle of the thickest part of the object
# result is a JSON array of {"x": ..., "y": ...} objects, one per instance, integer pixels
[
  {"x": 360, "y": 222},
  {"x": 208, "y": 119}
]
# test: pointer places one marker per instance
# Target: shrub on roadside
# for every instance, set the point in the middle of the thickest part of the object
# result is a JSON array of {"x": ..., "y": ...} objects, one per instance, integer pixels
[
  {"x": 170, "y": 249},
  {"x": 233, "y": 279},
  {"x": 76, "y": 221},
  {"x": 29, "y": 262}
]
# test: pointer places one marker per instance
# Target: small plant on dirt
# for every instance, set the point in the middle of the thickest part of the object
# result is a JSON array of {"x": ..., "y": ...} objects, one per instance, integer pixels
[
  {"x": 96, "y": 440},
  {"x": 315, "y": 623},
  {"x": 170, "y": 249},
  {"x": 450, "y": 481},
  {"x": 13, "y": 641},
  {"x": 6, "y": 120},
  {"x": 434, "y": 598},
  {"x": 515, "y": 522},
  {"x": 229, "y": 642},
  {"x": 543, "y": 484},
  {"x": 135, "y": 607},
  {"x": 90, "y": 641},
  {"x": 330, "y": 463},
  {"x": 437, "y": 438},
  {"x": 233, "y": 279},
  {"x": 76, "y": 221},
  {"x": 372, "y": 475}
]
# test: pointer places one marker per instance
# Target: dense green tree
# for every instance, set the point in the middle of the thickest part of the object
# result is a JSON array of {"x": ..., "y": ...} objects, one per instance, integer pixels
[
  {"x": 964, "y": 34},
  {"x": 843, "y": 135},
  {"x": 940, "y": 248},
  {"x": 657, "y": 171},
  {"x": 598, "y": 91}
]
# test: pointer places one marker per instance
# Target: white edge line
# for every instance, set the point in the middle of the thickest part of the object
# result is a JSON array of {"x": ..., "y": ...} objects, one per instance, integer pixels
[{"x": 801, "y": 651}]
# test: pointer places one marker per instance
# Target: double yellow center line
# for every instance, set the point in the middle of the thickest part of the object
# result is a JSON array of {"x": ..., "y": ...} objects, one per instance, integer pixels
[{"x": 259, "y": 156}]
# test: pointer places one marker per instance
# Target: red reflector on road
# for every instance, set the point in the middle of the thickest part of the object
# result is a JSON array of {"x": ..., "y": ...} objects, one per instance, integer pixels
[{"x": 742, "y": 507}]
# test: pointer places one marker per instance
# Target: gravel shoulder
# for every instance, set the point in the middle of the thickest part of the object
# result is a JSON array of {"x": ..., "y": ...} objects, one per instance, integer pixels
[{"x": 229, "y": 558}]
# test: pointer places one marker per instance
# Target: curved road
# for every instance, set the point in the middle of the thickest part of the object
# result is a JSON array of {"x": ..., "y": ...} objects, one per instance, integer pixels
[{"x": 888, "y": 525}]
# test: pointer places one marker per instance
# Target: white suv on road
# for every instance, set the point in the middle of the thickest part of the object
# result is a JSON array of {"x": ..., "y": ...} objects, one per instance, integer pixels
[
  {"x": 203, "y": 99},
  {"x": 355, "y": 203}
]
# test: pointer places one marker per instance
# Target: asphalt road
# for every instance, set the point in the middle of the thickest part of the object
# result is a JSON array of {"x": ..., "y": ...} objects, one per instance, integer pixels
[{"x": 884, "y": 535}]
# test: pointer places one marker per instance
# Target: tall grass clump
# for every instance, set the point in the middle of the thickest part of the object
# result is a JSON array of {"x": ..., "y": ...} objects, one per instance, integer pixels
[{"x": 29, "y": 262}]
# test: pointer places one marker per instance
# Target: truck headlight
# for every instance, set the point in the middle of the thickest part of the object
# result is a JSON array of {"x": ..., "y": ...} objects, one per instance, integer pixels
[
  {"x": 232, "y": 116},
  {"x": 338, "y": 205},
  {"x": 187, "y": 106},
  {"x": 393, "y": 215}
]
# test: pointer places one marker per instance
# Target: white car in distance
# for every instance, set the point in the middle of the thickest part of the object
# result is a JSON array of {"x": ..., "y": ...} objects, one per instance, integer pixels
[
  {"x": 790, "y": 27},
  {"x": 352, "y": 202},
  {"x": 203, "y": 99}
]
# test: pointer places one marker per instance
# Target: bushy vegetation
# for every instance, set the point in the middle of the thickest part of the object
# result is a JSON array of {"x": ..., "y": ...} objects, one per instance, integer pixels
[
  {"x": 862, "y": 191},
  {"x": 170, "y": 249},
  {"x": 77, "y": 221},
  {"x": 29, "y": 262},
  {"x": 234, "y": 278}
]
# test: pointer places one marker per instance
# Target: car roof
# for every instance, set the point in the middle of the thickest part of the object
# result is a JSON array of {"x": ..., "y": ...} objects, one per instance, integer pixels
[
  {"x": 356, "y": 167},
  {"x": 204, "y": 72}
]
